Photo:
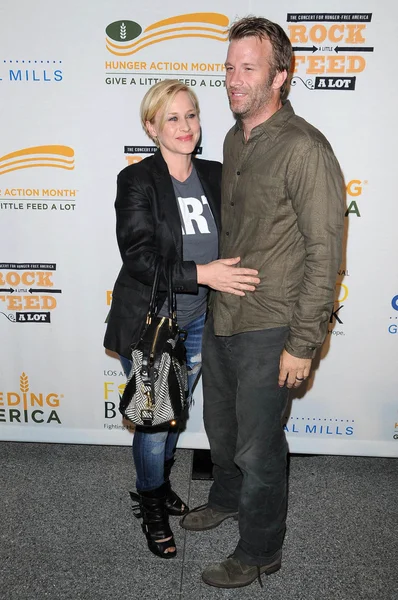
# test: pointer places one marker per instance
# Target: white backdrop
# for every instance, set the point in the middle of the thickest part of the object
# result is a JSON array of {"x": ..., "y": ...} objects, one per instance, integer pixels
[{"x": 72, "y": 76}]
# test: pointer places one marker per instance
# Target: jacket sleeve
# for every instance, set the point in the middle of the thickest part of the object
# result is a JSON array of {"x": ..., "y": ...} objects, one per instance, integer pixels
[
  {"x": 136, "y": 237},
  {"x": 317, "y": 193}
]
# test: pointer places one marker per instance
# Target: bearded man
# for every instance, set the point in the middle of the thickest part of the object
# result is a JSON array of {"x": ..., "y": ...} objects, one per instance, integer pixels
[{"x": 282, "y": 214}]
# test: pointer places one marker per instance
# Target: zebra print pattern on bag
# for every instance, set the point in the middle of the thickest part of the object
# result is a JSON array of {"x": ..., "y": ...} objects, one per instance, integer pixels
[{"x": 141, "y": 404}]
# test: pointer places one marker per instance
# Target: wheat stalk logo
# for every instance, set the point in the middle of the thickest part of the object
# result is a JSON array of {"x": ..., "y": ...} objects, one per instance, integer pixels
[
  {"x": 123, "y": 31},
  {"x": 24, "y": 383}
]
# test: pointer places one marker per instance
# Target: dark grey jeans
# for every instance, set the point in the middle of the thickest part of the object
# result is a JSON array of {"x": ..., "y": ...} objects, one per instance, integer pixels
[{"x": 243, "y": 408}]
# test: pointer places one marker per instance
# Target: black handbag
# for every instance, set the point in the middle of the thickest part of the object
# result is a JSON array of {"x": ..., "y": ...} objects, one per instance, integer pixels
[{"x": 157, "y": 387}]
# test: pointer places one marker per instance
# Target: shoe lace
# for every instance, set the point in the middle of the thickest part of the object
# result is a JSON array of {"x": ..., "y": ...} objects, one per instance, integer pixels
[
  {"x": 259, "y": 576},
  {"x": 257, "y": 567},
  {"x": 193, "y": 510}
]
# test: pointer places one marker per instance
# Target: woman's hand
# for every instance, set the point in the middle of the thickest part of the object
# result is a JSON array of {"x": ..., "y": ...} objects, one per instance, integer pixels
[{"x": 223, "y": 276}]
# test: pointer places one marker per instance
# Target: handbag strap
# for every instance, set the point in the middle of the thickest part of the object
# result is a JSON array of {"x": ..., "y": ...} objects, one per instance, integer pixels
[
  {"x": 171, "y": 295},
  {"x": 154, "y": 291}
]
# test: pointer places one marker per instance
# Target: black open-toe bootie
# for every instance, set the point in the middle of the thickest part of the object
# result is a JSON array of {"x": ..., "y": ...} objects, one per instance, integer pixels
[
  {"x": 155, "y": 520},
  {"x": 174, "y": 505}
]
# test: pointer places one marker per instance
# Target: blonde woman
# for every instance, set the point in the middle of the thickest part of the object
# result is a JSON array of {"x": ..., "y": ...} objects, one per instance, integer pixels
[{"x": 168, "y": 205}]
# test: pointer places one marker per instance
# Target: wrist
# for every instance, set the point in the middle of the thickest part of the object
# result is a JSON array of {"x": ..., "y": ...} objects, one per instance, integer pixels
[{"x": 200, "y": 274}]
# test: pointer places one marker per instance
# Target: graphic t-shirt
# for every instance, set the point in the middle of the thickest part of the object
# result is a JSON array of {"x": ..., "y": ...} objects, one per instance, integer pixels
[{"x": 199, "y": 242}]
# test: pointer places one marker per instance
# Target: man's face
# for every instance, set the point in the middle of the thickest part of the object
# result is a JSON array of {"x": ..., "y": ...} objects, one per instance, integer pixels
[{"x": 249, "y": 76}]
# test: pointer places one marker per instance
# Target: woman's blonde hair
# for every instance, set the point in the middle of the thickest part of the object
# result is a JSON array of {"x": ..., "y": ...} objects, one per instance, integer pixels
[{"x": 159, "y": 98}]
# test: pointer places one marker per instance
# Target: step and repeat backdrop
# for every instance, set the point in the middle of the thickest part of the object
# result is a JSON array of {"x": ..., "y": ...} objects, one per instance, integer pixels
[{"x": 72, "y": 76}]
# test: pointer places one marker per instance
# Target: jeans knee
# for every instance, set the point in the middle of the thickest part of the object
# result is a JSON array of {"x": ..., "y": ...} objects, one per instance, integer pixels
[
  {"x": 263, "y": 465},
  {"x": 159, "y": 438}
]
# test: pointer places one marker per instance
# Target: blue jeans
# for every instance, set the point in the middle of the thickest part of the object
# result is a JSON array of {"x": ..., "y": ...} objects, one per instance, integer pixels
[{"x": 152, "y": 448}]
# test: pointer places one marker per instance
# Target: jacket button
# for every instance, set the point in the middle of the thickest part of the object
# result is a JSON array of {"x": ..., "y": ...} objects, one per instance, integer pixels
[
  {"x": 232, "y": 203},
  {"x": 227, "y": 233},
  {"x": 238, "y": 172}
]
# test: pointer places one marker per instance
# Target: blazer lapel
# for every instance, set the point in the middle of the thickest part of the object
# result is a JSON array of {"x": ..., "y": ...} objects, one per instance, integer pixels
[
  {"x": 167, "y": 199},
  {"x": 209, "y": 190}
]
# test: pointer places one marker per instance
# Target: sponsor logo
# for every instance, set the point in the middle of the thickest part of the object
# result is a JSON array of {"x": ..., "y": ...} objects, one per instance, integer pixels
[
  {"x": 27, "y": 292},
  {"x": 108, "y": 295},
  {"x": 31, "y": 71},
  {"x": 319, "y": 427},
  {"x": 330, "y": 49},
  {"x": 355, "y": 189},
  {"x": 26, "y": 406},
  {"x": 133, "y": 153},
  {"x": 395, "y": 434},
  {"x": 393, "y": 326},
  {"x": 341, "y": 296},
  {"x": 113, "y": 391},
  {"x": 195, "y": 25},
  {"x": 18, "y": 197},
  {"x": 60, "y": 157},
  {"x": 127, "y": 41},
  {"x": 122, "y": 32}
]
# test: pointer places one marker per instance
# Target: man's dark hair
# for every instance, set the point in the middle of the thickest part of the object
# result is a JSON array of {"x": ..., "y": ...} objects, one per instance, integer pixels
[{"x": 263, "y": 29}]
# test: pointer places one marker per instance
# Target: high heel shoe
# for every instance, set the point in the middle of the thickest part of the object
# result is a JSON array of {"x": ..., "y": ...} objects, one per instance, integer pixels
[{"x": 155, "y": 521}]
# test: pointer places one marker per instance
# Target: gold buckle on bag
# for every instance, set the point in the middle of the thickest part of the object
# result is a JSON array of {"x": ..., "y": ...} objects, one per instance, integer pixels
[{"x": 147, "y": 412}]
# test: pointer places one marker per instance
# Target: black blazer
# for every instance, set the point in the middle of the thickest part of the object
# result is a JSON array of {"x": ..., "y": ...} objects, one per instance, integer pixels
[{"x": 148, "y": 225}]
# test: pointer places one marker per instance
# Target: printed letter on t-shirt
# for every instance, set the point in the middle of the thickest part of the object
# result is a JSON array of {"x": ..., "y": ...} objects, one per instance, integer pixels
[{"x": 192, "y": 210}]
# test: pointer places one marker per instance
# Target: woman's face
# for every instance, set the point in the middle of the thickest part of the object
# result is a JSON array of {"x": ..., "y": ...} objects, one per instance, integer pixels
[{"x": 181, "y": 130}]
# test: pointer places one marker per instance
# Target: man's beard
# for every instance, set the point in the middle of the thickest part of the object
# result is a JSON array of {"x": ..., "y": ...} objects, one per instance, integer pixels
[{"x": 254, "y": 107}]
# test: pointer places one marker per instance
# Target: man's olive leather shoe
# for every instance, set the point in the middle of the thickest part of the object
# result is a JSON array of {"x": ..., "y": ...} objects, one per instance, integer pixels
[
  {"x": 204, "y": 517},
  {"x": 232, "y": 573}
]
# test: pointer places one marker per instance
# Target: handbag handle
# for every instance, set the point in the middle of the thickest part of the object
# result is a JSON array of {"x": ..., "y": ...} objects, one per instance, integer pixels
[
  {"x": 154, "y": 292},
  {"x": 171, "y": 295}
]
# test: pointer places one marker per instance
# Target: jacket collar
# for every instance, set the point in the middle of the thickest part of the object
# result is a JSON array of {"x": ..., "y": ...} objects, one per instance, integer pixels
[
  {"x": 165, "y": 191},
  {"x": 159, "y": 164}
]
